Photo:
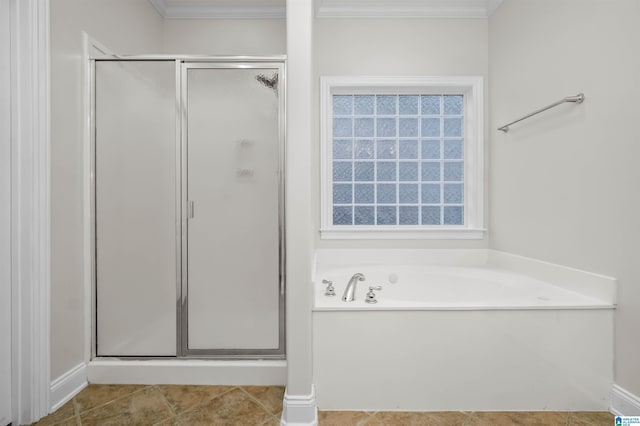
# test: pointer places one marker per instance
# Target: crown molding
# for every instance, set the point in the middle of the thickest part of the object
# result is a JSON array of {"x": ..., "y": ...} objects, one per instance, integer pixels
[
  {"x": 475, "y": 9},
  {"x": 406, "y": 9},
  {"x": 169, "y": 10}
]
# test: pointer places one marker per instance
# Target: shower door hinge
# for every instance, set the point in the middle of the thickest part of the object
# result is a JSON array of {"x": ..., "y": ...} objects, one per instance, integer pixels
[{"x": 190, "y": 210}]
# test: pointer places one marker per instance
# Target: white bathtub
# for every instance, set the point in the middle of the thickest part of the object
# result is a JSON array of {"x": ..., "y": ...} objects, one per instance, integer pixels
[
  {"x": 448, "y": 287},
  {"x": 461, "y": 331}
]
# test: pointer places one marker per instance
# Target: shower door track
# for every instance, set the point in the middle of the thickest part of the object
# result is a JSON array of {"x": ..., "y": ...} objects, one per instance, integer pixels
[{"x": 182, "y": 208}]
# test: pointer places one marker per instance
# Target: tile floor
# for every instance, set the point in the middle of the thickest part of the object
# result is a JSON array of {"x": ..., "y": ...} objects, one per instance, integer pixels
[{"x": 169, "y": 405}]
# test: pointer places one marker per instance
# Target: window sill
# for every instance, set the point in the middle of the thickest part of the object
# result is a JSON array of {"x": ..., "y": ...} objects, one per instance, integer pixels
[{"x": 402, "y": 234}]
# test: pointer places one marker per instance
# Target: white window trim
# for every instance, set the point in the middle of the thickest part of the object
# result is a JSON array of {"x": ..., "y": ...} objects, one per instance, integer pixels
[{"x": 472, "y": 88}]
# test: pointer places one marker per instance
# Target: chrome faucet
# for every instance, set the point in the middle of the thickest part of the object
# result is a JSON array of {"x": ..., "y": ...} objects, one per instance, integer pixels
[{"x": 350, "y": 292}]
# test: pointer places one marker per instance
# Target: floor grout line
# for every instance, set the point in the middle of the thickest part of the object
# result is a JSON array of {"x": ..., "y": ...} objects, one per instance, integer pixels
[
  {"x": 113, "y": 400},
  {"x": 165, "y": 400},
  {"x": 368, "y": 419},
  {"x": 268, "y": 419},
  {"x": 76, "y": 411},
  {"x": 203, "y": 403},
  {"x": 257, "y": 401},
  {"x": 166, "y": 403},
  {"x": 470, "y": 417}
]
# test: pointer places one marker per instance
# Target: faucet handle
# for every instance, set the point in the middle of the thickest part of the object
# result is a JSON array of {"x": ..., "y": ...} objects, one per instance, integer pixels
[
  {"x": 371, "y": 296},
  {"x": 330, "y": 291}
]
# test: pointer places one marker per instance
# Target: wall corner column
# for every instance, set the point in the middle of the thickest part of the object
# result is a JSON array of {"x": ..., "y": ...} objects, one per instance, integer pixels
[{"x": 299, "y": 402}]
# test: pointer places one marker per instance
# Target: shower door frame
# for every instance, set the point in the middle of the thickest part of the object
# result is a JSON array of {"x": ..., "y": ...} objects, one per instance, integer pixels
[
  {"x": 183, "y": 309},
  {"x": 182, "y": 64}
]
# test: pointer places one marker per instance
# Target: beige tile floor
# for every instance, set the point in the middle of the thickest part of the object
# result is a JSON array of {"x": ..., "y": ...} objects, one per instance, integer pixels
[{"x": 169, "y": 405}]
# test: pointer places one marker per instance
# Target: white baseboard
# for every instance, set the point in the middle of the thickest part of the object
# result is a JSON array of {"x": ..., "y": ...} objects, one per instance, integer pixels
[
  {"x": 188, "y": 372},
  {"x": 624, "y": 403},
  {"x": 68, "y": 385},
  {"x": 299, "y": 410}
]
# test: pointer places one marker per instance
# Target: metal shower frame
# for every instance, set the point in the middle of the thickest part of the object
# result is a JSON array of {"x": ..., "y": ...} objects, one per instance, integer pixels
[{"x": 182, "y": 64}]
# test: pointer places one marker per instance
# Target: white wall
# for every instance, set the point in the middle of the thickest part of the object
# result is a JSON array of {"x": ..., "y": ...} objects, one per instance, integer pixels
[
  {"x": 5, "y": 216},
  {"x": 399, "y": 47},
  {"x": 564, "y": 185},
  {"x": 224, "y": 36},
  {"x": 126, "y": 26}
]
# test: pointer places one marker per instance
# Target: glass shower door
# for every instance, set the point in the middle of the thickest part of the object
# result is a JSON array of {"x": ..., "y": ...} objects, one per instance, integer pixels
[
  {"x": 232, "y": 149},
  {"x": 135, "y": 208}
]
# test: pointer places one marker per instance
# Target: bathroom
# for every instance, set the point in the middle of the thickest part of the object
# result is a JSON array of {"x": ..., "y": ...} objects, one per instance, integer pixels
[{"x": 551, "y": 189}]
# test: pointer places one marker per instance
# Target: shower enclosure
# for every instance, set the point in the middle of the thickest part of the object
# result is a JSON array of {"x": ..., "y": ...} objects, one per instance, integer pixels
[{"x": 188, "y": 200}]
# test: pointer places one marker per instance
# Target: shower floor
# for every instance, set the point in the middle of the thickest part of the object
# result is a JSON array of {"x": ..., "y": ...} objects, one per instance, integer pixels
[{"x": 262, "y": 405}]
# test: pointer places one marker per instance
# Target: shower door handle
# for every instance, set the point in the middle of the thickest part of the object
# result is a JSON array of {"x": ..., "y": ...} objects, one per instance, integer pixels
[{"x": 190, "y": 210}]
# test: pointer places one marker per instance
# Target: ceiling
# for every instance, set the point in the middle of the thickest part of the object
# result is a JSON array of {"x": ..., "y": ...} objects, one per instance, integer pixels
[{"x": 246, "y": 9}]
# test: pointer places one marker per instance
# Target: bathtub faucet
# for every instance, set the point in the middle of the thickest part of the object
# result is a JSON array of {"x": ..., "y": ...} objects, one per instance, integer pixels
[{"x": 350, "y": 292}]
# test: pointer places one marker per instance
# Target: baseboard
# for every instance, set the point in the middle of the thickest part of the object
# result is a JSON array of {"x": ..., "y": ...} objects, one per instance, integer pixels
[
  {"x": 299, "y": 410},
  {"x": 188, "y": 372},
  {"x": 68, "y": 385},
  {"x": 624, "y": 403}
]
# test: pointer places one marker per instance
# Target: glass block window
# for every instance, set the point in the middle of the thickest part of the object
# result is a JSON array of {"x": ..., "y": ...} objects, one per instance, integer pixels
[{"x": 396, "y": 158}]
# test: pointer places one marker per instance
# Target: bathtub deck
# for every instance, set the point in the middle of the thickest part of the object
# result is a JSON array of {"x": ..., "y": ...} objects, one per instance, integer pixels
[{"x": 450, "y": 288}]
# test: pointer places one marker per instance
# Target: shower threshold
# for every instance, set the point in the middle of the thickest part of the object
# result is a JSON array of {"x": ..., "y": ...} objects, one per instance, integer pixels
[{"x": 187, "y": 371}]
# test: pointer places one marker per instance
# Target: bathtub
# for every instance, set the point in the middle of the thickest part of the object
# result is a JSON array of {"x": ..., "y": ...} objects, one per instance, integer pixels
[{"x": 461, "y": 330}]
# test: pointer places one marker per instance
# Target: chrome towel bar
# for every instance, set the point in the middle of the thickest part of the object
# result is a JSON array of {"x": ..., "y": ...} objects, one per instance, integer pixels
[{"x": 579, "y": 98}]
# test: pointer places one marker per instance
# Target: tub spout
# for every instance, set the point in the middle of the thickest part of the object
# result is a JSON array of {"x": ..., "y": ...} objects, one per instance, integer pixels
[{"x": 350, "y": 292}]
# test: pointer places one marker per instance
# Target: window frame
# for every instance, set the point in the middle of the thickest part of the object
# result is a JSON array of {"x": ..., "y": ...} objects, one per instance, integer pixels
[{"x": 471, "y": 87}]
